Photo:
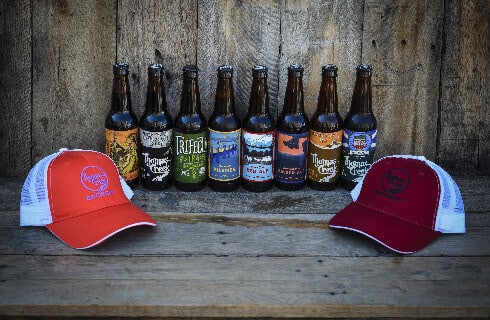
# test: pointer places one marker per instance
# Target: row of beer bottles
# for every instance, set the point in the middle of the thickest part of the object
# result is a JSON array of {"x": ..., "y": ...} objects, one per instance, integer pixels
[{"x": 289, "y": 153}]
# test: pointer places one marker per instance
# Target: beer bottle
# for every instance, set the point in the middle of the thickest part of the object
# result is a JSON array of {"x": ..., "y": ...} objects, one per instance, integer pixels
[
  {"x": 325, "y": 141},
  {"x": 360, "y": 128},
  {"x": 224, "y": 136},
  {"x": 190, "y": 145},
  {"x": 258, "y": 136},
  {"x": 156, "y": 134},
  {"x": 121, "y": 127},
  {"x": 292, "y": 135}
]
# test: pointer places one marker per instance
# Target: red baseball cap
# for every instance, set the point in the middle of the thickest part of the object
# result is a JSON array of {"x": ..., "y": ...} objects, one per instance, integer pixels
[
  {"x": 80, "y": 197},
  {"x": 404, "y": 203}
]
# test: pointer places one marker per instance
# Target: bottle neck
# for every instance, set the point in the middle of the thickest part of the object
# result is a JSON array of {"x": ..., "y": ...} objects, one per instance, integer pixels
[
  {"x": 294, "y": 100},
  {"x": 155, "y": 96},
  {"x": 362, "y": 97},
  {"x": 327, "y": 98},
  {"x": 224, "y": 101},
  {"x": 190, "y": 101},
  {"x": 259, "y": 98},
  {"x": 121, "y": 97}
]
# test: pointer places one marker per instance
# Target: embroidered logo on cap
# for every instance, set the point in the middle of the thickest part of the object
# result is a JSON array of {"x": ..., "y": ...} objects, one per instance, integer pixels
[
  {"x": 395, "y": 181},
  {"x": 94, "y": 178}
]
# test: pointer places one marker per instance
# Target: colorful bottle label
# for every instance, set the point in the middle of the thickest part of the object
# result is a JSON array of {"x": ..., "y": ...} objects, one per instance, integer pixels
[
  {"x": 324, "y": 152},
  {"x": 257, "y": 160},
  {"x": 357, "y": 153},
  {"x": 190, "y": 157},
  {"x": 156, "y": 155},
  {"x": 224, "y": 155},
  {"x": 122, "y": 148},
  {"x": 291, "y": 157}
]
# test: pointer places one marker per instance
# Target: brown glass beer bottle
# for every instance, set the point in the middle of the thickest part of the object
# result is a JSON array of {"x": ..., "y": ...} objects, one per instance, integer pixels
[
  {"x": 189, "y": 142},
  {"x": 360, "y": 129},
  {"x": 292, "y": 135},
  {"x": 258, "y": 131},
  {"x": 121, "y": 127},
  {"x": 325, "y": 140},
  {"x": 156, "y": 134},
  {"x": 224, "y": 136}
]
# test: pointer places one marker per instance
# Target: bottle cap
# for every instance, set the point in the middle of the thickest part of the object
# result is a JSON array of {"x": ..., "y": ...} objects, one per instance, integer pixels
[
  {"x": 295, "y": 70},
  {"x": 190, "y": 71},
  {"x": 155, "y": 70},
  {"x": 121, "y": 69},
  {"x": 364, "y": 70},
  {"x": 329, "y": 70},
  {"x": 259, "y": 71},
  {"x": 225, "y": 72}
]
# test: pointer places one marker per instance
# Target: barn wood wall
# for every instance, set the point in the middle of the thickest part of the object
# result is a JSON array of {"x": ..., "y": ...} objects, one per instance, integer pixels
[{"x": 430, "y": 66}]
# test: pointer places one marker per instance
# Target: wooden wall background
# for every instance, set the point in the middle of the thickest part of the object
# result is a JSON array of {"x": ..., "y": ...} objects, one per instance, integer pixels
[{"x": 430, "y": 62}]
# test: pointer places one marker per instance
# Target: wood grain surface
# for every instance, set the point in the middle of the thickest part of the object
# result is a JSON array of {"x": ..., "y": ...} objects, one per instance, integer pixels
[
  {"x": 430, "y": 66},
  {"x": 465, "y": 81},
  {"x": 156, "y": 32},
  {"x": 207, "y": 261},
  {"x": 15, "y": 88},
  {"x": 71, "y": 74}
]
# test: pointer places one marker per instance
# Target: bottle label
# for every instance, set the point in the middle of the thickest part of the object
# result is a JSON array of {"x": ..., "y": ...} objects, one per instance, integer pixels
[
  {"x": 324, "y": 151},
  {"x": 190, "y": 157},
  {"x": 357, "y": 153},
  {"x": 156, "y": 155},
  {"x": 291, "y": 157},
  {"x": 257, "y": 160},
  {"x": 224, "y": 155},
  {"x": 122, "y": 148}
]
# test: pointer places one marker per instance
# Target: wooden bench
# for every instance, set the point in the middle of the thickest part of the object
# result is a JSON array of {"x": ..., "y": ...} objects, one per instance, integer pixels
[{"x": 244, "y": 255}]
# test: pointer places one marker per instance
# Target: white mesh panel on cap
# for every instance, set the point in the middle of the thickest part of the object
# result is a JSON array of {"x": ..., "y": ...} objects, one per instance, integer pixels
[
  {"x": 128, "y": 192},
  {"x": 34, "y": 202},
  {"x": 450, "y": 214}
]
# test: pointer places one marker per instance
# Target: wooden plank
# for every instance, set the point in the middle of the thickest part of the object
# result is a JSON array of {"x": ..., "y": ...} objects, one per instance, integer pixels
[
  {"x": 73, "y": 51},
  {"x": 475, "y": 191},
  {"x": 240, "y": 34},
  {"x": 465, "y": 133},
  {"x": 245, "y": 287},
  {"x": 243, "y": 236},
  {"x": 314, "y": 33},
  {"x": 240, "y": 235},
  {"x": 15, "y": 88},
  {"x": 269, "y": 224},
  {"x": 156, "y": 32},
  {"x": 402, "y": 41}
]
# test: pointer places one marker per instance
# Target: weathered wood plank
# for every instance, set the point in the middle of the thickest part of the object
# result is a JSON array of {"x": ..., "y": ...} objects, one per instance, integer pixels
[
  {"x": 15, "y": 87},
  {"x": 239, "y": 34},
  {"x": 475, "y": 191},
  {"x": 402, "y": 41},
  {"x": 465, "y": 96},
  {"x": 443, "y": 44},
  {"x": 239, "y": 235},
  {"x": 232, "y": 287},
  {"x": 156, "y": 32},
  {"x": 275, "y": 223},
  {"x": 314, "y": 33},
  {"x": 73, "y": 49}
]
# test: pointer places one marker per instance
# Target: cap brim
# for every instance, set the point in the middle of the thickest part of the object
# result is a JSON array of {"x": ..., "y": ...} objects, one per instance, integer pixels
[
  {"x": 92, "y": 228},
  {"x": 392, "y": 232}
]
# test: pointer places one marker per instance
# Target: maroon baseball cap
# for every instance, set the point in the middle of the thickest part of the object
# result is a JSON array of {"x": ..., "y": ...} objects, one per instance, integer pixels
[{"x": 404, "y": 203}]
